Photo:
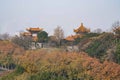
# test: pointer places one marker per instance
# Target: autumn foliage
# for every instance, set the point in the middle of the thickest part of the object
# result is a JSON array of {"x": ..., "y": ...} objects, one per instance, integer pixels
[
  {"x": 71, "y": 66},
  {"x": 55, "y": 64}
]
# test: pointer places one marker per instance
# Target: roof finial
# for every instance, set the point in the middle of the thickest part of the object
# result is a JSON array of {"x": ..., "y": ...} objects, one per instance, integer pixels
[{"x": 81, "y": 24}]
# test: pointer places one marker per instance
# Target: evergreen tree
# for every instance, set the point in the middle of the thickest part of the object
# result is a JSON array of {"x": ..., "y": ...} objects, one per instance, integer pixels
[{"x": 42, "y": 36}]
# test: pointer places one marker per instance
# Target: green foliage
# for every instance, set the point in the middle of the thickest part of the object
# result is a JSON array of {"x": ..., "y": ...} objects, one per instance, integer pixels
[
  {"x": 77, "y": 40},
  {"x": 54, "y": 76},
  {"x": 8, "y": 77},
  {"x": 118, "y": 52},
  {"x": 12, "y": 76},
  {"x": 85, "y": 37},
  {"x": 92, "y": 50},
  {"x": 92, "y": 35},
  {"x": 19, "y": 70},
  {"x": 99, "y": 46},
  {"x": 42, "y": 36},
  {"x": 47, "y": 76}
]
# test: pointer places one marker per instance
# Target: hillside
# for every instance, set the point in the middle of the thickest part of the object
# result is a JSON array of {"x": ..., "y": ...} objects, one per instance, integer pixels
[
  {"x": 55, "y": 64},
  {"x": 101, "y": 46},
  {"x": 10, "y": 48},
  {"x": 96, "y": 60}
]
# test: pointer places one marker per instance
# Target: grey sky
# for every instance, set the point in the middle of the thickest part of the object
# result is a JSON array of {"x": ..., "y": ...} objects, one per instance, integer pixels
[{"x": 17, "y": 15}]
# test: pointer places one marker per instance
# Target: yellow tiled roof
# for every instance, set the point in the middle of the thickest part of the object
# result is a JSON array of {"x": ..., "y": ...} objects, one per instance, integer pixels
[
  {"x": 73, "y": 37},
  {"x": 34, "y": 29},
  {"x": 81, "y": 29},
  {"x": 26, "y": 34},
  {"x": 69, "y": 38}
]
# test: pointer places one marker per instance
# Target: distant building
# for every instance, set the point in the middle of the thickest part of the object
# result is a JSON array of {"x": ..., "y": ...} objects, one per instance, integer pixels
[
  {"x": 80, "y": 31},
  {"x": 71, "y": 37},
  {"x": 32, "y": 32}
]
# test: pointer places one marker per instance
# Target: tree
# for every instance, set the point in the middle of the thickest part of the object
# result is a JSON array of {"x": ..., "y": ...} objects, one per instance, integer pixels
[
  {"x": 59, "y": 34},
  {"x": 118, "y": 53},
  {"x": 98, "y": 30},
  {"x": 4, "y": 36},
  {"x": 42, "y": 36},
  {"x": 116, "y": 28},
  {"x": 23, "y": 41}
]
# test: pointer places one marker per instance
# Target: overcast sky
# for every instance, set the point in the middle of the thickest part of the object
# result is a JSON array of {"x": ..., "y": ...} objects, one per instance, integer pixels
[{"x": 17, "y": 15}]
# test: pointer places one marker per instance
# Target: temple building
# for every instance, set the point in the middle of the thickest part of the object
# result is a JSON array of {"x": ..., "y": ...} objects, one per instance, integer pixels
[
  {"x": 71, "y": 38},
  {"x": 80, "y": 32},
  {"x": 32, "y": 32}
]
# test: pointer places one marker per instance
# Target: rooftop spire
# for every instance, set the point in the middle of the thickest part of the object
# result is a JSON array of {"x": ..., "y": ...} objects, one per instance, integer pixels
[{"x": 81, "y": 24}]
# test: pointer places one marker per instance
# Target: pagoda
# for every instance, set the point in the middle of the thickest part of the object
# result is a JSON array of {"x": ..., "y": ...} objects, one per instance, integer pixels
[
  {"x": 81, "y": 30},
  {"x": 32, "y": 32}
]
